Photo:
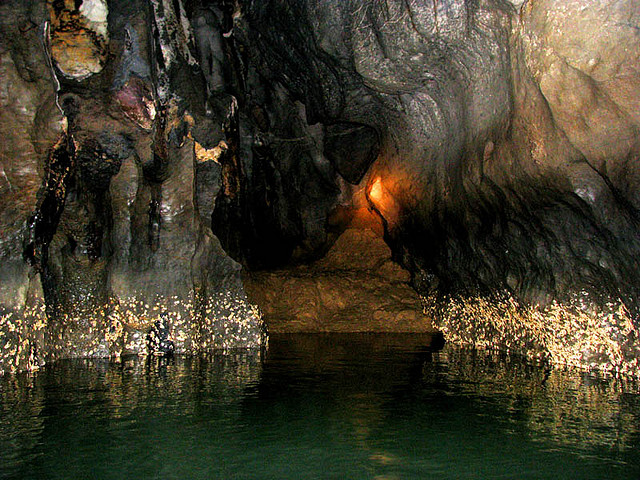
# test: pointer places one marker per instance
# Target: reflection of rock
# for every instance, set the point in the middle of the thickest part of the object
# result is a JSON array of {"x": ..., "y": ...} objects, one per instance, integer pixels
[
  {"x": 125, "y": 387},
  {"x": 356, "y": 287},
  {"x": 559, "y": 405}
]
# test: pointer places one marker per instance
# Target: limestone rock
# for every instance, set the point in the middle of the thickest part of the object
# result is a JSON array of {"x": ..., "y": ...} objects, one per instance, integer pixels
[
  {"x": 101, "y": 226},
  {"x": 356, "y": 287},
  {"x": 30, "y": 123},
  {"x": 78, "y": 36},
  {"x": 499, "y": 141}
]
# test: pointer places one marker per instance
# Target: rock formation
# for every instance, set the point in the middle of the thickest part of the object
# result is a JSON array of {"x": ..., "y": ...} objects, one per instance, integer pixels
[
  {"x": 355, "y": 287},
  {"x": 152, "y": 148},
  {"x": 110, "y": 173}
]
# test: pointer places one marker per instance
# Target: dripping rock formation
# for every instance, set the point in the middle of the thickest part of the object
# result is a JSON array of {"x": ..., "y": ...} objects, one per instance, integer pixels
[{"x": 155, "y": 150}]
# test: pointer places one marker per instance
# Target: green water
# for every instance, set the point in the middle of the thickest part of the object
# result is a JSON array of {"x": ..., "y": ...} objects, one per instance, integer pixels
[{"x": 343, "y": 407}]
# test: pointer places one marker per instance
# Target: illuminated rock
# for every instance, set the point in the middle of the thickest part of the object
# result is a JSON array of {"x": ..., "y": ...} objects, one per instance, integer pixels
[
  {"x": 200, "y": 140},
  {"x": 508, "y": 136},
  {"x": 356, "y": 287},
  {"x": 78, "y": 36},
  {"x": 158, "y": 340}
]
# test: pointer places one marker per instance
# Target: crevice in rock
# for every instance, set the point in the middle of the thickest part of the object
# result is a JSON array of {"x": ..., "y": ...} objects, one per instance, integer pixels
[{"x": 44, "y": 221}]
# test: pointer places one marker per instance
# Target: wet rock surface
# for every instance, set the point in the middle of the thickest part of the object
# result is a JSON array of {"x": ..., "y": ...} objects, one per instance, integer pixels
[
  {"x": 101, "y": 202},
  {"x": 78, "y": 36},
  {"x": 155, "y": 149},
  {"x": 158, "y": 341},
  {"x": 507, "y": 151}
]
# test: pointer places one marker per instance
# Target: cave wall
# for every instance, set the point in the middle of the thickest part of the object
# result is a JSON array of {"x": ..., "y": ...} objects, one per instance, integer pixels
[
  {"x": 112, "y": 161},
  {"x": 158, "y": 146},
  {"x": 508, "y": 138},
  {"x": 506, "y": 155}
]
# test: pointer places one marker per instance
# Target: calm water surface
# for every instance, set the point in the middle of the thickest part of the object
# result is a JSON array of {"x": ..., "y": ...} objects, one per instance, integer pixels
[{"x": 343, "y": 407}]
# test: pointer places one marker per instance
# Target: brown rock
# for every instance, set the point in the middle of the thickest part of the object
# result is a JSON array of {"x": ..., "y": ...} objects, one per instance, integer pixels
[
  {"x": 79, "y": 37},
  {"x": 356, "y": 287},
  {"x": 588, "y": 76}
]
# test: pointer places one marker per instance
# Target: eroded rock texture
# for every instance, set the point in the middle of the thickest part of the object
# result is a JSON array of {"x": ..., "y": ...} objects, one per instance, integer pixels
[
  {"x": 106, "y": 218},
  {"x": 506, "y": 147},
  {"x": 154, "y": 141}
]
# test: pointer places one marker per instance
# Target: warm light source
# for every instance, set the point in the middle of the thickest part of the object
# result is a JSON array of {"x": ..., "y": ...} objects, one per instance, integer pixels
[
  {"x": 376, "y": 192},
  {"x": 382, "y": 201}
]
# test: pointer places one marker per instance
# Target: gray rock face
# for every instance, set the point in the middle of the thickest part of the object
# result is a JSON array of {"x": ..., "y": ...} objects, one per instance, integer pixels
[{"x": 498, "y": 141}]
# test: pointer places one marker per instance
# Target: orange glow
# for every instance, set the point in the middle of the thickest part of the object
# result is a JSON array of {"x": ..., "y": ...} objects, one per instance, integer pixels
[
  {"x": 382, "y": 201},
  {"x": 376, "y": 192}
]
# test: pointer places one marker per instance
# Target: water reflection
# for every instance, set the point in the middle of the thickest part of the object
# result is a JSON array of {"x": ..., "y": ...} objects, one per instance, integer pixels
[
  {"x": 567, "y": 406},
  {"x": 319, "y": 406}
]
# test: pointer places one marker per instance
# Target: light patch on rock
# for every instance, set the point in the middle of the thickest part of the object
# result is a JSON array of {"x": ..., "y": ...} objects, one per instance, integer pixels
[
  {"x": 96, "y": 11},
  {"x": 356, "y": 287},
  {"x": 211, "y": 154},
  {"x": 569, "y": 334}
]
